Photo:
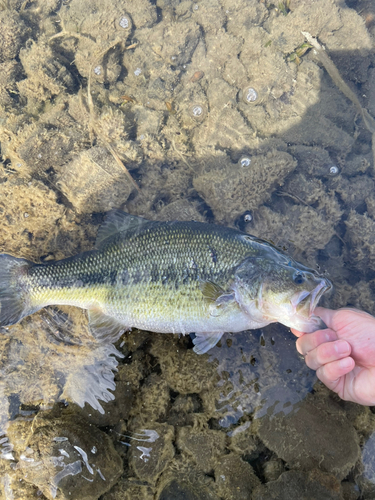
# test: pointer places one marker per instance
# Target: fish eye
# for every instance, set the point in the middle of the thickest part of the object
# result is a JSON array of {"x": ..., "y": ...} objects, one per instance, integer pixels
[{"x": 298, "y": 278}]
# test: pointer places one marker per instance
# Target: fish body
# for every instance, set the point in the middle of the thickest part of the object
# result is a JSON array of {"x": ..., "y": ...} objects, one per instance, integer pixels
[{"x": 168, "y": 277}]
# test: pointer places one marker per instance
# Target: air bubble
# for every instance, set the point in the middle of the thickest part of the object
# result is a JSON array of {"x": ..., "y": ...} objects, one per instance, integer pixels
[
  {"x": 198, "y": 112},
  {"x": 334, "y": 170},
  {"x": 250, "y": 95},
  {"x": 245, "y": 161},
  {"x": 98, "y": 70},
  {"x": 124, "y": 22}
]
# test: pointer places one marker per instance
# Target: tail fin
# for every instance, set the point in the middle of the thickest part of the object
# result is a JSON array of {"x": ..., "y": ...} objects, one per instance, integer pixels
[{"x": 13, "y": 296}]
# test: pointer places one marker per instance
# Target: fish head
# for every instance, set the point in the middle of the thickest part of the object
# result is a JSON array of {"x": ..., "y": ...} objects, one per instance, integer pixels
[{"x": 280, "y": 290}]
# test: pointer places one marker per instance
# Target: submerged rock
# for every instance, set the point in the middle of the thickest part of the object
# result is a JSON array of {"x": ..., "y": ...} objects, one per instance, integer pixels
[
  {"x": 148, "y": 459},
  {"x": 94, "y": 182},
  {"x": 294, "y": 485},
  {"x": 235, "y": 189},
  {"x": 203, "y": 446},
  {"x": 315, "y": 435},
  {"x": 182, "y": 481},
  {"x": 360, "y": 234},
  {"x": 235, "y": 478},
  {"x": 66, "y": 458},
  {"x": 13, "y": 33}
]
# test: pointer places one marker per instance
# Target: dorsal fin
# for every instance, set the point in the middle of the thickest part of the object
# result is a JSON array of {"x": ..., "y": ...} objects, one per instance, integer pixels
[{"x": 117, "y": 221}]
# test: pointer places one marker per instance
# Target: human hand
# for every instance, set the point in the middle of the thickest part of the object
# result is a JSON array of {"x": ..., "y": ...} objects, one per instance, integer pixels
[{"x": 343, "y": 355}]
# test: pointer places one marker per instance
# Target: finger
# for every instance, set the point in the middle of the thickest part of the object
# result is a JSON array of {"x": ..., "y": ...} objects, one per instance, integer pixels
[
  {"x": 311, "y": 341},
  {"x": 327, "y": 353},
  {"x": 326, "y": 315},
  {"x": 297, "y": 333},
  {"x": 331, "y": 373}
]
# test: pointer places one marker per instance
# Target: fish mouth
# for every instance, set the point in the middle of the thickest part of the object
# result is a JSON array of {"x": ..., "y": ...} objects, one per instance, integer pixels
[{"x": 302, "y": 300}]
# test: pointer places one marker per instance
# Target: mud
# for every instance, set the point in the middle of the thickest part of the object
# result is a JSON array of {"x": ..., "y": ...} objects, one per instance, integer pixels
[{"x": 183, "y": 110}]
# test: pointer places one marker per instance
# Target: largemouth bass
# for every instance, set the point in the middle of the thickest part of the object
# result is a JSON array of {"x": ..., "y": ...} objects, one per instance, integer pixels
[{"x": 168, "y": 277}]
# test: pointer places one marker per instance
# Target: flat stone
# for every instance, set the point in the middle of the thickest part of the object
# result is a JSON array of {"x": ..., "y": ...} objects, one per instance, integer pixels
[
  {"x": 316, "y": 434},
  {"x": 294, "y": 485}
]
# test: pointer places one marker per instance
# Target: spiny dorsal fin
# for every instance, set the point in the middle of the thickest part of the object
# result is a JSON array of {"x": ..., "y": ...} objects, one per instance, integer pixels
[
  {"x": 117, "y": 221},
  {"x": 211, "y": 291}
]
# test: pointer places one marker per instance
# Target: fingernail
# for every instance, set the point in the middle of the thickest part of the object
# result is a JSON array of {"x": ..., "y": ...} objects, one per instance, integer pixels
[
  {"x": 345, "y": 363},
  {"x": 342, "y": 347},
  {"x": 330, "y": 335}
]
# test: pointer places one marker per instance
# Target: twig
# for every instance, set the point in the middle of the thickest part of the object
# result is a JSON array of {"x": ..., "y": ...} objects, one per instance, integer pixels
[
  {"x": 339, "y": 82},
  {"x": 92, "y": 118}
]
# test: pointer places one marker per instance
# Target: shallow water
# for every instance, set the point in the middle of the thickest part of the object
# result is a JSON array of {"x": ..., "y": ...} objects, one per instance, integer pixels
[{"x": 206, "y": 106}]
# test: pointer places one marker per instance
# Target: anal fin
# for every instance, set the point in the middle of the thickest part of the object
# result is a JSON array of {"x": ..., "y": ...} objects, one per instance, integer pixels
[
  {"x": 104, "y": 327},
  {"x": 203, "y": 342}
]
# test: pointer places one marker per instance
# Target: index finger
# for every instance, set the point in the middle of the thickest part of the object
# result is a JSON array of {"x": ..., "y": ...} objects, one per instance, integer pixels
[{"x": 297, "y": 333}]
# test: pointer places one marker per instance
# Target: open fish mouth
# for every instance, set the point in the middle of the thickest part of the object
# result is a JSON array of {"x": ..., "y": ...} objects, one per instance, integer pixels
[{"x": 304, "y": 299}]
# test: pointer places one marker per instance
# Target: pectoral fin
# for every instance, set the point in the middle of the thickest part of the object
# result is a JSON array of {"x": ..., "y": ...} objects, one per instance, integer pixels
[
  {"x": 211, "y": 291},
  {"x": 104, "y": 327},
  {"x": 203, "y": 342}
]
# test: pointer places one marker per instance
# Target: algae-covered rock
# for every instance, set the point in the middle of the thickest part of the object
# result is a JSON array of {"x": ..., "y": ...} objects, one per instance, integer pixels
[
  {"x": 152, "y": 401},
  {"x": 361, "y": 236},
  {"x": 183, "y": 370},
  {"x": 313, "y": 160},
  {"x": 319, "y": 18},
  {"x": 148, "y": 459},
  {"x": 366, "y": 476},
  {"x": 10, "y": 71},
  {"x": 224, "y": 127},
  {"x": 98, "y": 26},
  {"x": 13, "y": 34},
  {"x": 370, "y": 205},
  {"x": 180, "y": 210},
  {"x": 183, "y": 481},
  {"x": 46, "y": 75},
  {"x": 241, "y": 15},
  {"x": 94, "y": 181},
  {"x": 130, "y": 489},
  {"x": 301, "y": 227},
  {"x": 39, "y": 148},
  {"x": 210, "y": 15},
  {"x": 175, "y": 43},
  {"x": 203, "y": 446},
  {"x": 355, "y": 190},
  {"x": 30, "y": 219},
  {"x": 59, "y": 453},
  {"x": 234, "y": 477},
  {"x": 235, "y": 189},
  {"x": 294, "y": 485},
  {"x": 316, "y": 434}
]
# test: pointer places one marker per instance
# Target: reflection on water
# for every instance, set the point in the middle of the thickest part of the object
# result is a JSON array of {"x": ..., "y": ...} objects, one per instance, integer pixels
[
  {"x": 261, "y": 373},
  {"x": 218, "y": 113}
]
